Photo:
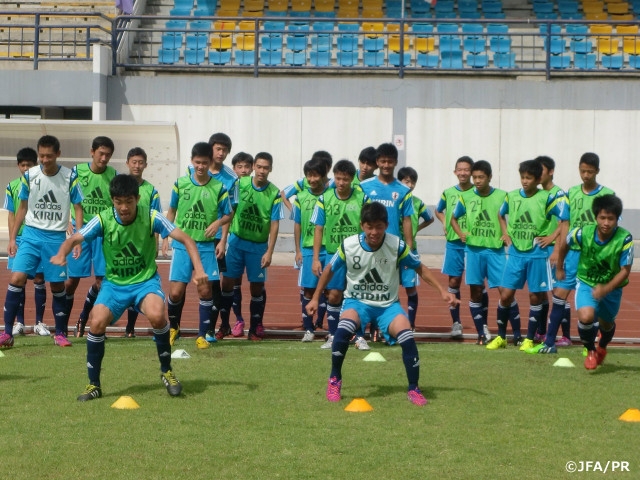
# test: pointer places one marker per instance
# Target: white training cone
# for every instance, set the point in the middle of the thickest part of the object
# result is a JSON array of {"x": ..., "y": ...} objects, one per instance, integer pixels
[
  {"x": 180, "y": 354},
  {"x": 374, "y": 357},
  {"x": 563, "y": 362}
]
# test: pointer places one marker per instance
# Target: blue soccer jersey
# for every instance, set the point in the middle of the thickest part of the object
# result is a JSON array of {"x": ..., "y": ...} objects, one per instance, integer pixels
[{"x": 395, "y": 196}]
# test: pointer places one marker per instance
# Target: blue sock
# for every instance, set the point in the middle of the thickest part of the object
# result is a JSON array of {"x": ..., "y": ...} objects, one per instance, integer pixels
[
  {"x": 59, "y": 307},
  {"x": 89, "y": 301},
  {"x": 455, "y": 311},
  {"x": 307, "y": 320},
  {"x": 503, "y": 319},
  {"x": 542, "y": 320},
  {"x": 226, "y": 305},
  {"x": 534, "y": 319},
  {"x": 412, "y": 309},
  {"x": 344, "y": 332},
  {"x": 588, "y": 333},
  {"x": 237, "y": 302},
  {"x": 216, "y": 293},
  {"x": 11, "y": 306},
  {"x": 174, "y": 310},
  {"x": 40, "y": 296},
  {"x": 566, "y": 321},
  {"x": 204, "y": 316},
  {"x": 606, "y": 336},
  {"x": 95, "y": 354},
  {"x": 477, "y": 316},
  {"x": 163, "y": 347},
  {"x": 557, "y": 313},
  {"x": 514, "y": 318},
  {"x": 410, "y": 357},
  {"x": 20, "y": 312},
  {"x": 263, "y": 304},
  {"x": 485, "y": 306},
  {"x": 68, "y": 305},
  {"x": 333, "y": 315},
  {"x": 322, "y": 310},
  {"x": 256, "y": 308}
]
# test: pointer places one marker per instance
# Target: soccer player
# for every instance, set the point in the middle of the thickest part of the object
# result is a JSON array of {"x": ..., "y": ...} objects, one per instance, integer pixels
[
  {"x": 27, "y": 158},
  {"x": 604, "y": 264},
  {"x": 336, "y": 216},
  {"x": 579, "y": 200},
  {"x": 484, "y": 240},
  {"x": 149, "y": 196},
  {"x": 290, "y": 190},
  {"x": 367, "y": 164},
  {"x": 48, "y": 190},
  {"x": 127, "y": 232},
  {"x": 369, "y": 262},
  {"x": 530, "y": 209},
  {"x": 409, "y": 279},
  {"x": 252, "y": 240},
  {"x": 94, "y": 178},
  {"x": 303, "y": 231},
  {"x": 453, "y": 263},
  {"x": 199, "y": 206}
]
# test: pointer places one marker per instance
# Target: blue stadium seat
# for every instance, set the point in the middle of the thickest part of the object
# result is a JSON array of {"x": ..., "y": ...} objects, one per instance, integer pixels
[
  {"x": 171, "y": 41},
  {"x": 200, "y": 25},
  {"x": 581, "y": 46},
  {"x": 180, "y": 12},
  {"x": 500, "y": 44},
  {"x": 577, "y": 31},
  {"x": 271, "y": 57},
  {"x": 373, "y": 59},
  {"x": 176, "y": 24},
  {"x": 197, "y": 41},
  {"x": 245, "y": 57},
  {"x": 372, "y": 44},
  {"x": 558, "y": 45},
  {"x": 321, "y": 43},
  {"x": 220, "y": 57},
  {"x": 422, "y": 29},
  {"x": 449, "y": 43},
  {"x": 451, "y": 59},
  {"x": 274, "y": 27},
  {"x": 394, "y": 59},
  {"x": 347, "y": 43},
  {"x": 194, "y": 56},
  {"x": 504, "y": 60},
  {"x": 497, "y": 30},
  {"x": 296, "y": 43},
  {"x": 271, "y": 42},
  {"x": 634, "y": 61},
  {"x": 474, "y": 44},
  {"x": 560, "y": 61},
  {"x": 427, "y": 60},
  {"x": 477, "y": 60},
  {"x": 347, "y": 59},
  {"x": 320, "y": 59},
  {"x": 168, "y": 57},
  {"x": 295, "y": 59},
  {"x": 584, "y": 61},
  {"x": 472, "y": 29},
  {"x": 612, "y": 62}
]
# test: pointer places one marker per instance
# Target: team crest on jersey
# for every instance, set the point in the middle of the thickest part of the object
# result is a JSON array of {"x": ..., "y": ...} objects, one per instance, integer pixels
[{"x": 395, "y": 196}]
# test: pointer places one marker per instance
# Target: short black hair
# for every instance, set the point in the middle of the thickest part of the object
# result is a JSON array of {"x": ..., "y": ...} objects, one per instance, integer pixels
[
  {"x": 345, "y": 166},
  {"x": 202, "y": 149},
  {"x": 388, "y": 150},
  {"x": 591, "y": 159},
  {"x": 49, "y": 141},
  {"x": 325, "y": 157},
  {"x": 546, "y": 162},
  {"x": 221, "y": 138},
  {"x": 374, "y": 212},
  {"x": 482, "y": 166},
  {"x": 410, "y": 172},
  {"x": 124, "y": 186},
  {"x": 103, "y": 142},
  {"x": 315, "y": 165},
  {"x": 242, "y": 157},
  {"x": 264, "y": 156},
  {"x": 368, "y": 155},
  {"x": 137, "y": 152},
  {"x": 465, "y": 159},
  {"x": 27, "y": 154},
  {"x": 609, "y": 203},
  {"x": 532, "y": 167}
]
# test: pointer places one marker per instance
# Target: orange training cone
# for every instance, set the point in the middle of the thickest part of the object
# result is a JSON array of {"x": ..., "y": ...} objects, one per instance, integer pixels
[
  {"x": 631, "y": 415},
  {"x": 358, "y": 405}
]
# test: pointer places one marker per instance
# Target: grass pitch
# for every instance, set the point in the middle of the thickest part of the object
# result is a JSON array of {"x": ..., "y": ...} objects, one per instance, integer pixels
[{"x": 257, "y": 410}]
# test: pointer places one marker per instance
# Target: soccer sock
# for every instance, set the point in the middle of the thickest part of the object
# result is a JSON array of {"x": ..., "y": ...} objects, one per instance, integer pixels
[
  {"x": 455, "y": 311},
  {"x": 307, "y": 320},
  {"x": 485, "y": 306},
  {"x": 59, "y": 305},
  {"x": 322, "y": 310},
  {"x": 503, "y": 318},
  {"x": 237, "y": 302},
  {"x": 514, "y": 318},
  {"x": 534, "y": 319},
  {"x": 588, "y": 334},
  {"x": 174, "y": 310},
  {"x": 89, "y": 301},
  {"x": 132, "y": 318},
  {"x": 410, "y": 357},
  {"x": 412, "y": 308},
  {"x": 542, "y": 320},
  {"x": 566, "y": 321},
  {"x": 68, "y": 305},
  {"x": 204, "y": 312},
  {"x": 217, "y": 299},
  {"x": 256, "y": 307},
  {"x": 40, "y": 296},
  {"x": 606, "y": 336},
  {"x": 476, "y": 310},
  {"x": 333, "y": 315},
  {"x": 557, "y": 312},
  {"x": 95, "y": 354},
  {"x": 344, "y": 332},
  {"x": 20, "y": 312},
  {"x": 264, "y": 303},
  {"x": 11, "y": 305},
  {"x": 226, "y": 304},
  {"x": 163, "y": 347}
]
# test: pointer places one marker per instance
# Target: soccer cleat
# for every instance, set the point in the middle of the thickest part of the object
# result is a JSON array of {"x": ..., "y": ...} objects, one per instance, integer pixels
[
  {"x": 61, "y": 340},
  {"x": 18, "y": 329},
  {"x": 90, "y": 393},
  {"x": 497, "y": 343},
  {"x": 308, "y": 336},
  {"x": 174, "y": 334},
  {"x": 129, "y": 335},
  {"x": 42, "y": 330},
  {"x": 260, "y": 330},
  {"x": 482, "y": 340},
  {"x": 361, "y": 344},
  {"x": 238, "y": 329},
  {"x": 333, "y": 389},
  {"x": 328, "y": 344},
  {"x": 78, "y": 331},
  {"x": 210, "y": 336},
  {"x": 487, "y": 333},
  {"x": 585, "y": 352},
  {"x": 253, "y": 337},
  {"x": 6, "y": 341},
  {"x": 539, "y": 337},
  {"x": 591, "y": 362},
  {"x": 415, "y": 396},
  {"x": 223, "y": 332},
  {"x": 526, "y": 344},
  {"x": 201, "y": 343},
  {"x": 541, "y": 348},
  {"x": 601, "y": 353},
  {"x": 456, "y": 330},
  {"x": 564, "y": 342},
  {"x": 517, "y": 341},
  {"x": 171, "y": 382}
]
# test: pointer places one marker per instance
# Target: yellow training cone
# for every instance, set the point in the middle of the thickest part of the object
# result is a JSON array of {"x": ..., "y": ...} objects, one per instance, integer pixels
[
  {"x": 374, "y": 357},
  {"x": 1, "y": 354},
  {"x": 631, "y": 415},
  {"x": 358, "y": 405},
  {"x": 125, "y": 403},
  {"x": 563, "y": 362}
]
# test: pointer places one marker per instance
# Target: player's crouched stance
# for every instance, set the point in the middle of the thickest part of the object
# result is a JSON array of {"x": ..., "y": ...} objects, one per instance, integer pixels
[
  {"x": 606, "y": 256},
  {"x": 131, "y": 279},
  {"x": 370, "y": 263}
]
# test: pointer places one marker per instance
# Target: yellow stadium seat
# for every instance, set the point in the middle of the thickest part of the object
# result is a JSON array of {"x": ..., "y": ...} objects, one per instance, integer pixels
[
  {"x": 246, "y": 26},
  {"x": 324, "y": 6},
  {"x": 630, "y": 30},
  {"x": 608, "y": 45},
  {"x": 394, "y": 43},
  {"x": 372, "y": 29},
  {"x": 246, "y": 41},
  {"x": 348, "y": 12},
  {"x": 220, "y": 42},
  {"x": 618, "y": 8},
  {"x": 631, "y": 46},
  {"x": 222, "y": 27},
  {"x": 424, "y": 44},
  {"x": 601, "y": 30}
]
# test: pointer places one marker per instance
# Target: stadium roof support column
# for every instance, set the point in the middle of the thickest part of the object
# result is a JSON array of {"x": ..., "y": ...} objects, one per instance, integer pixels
[{"x": 101, "y": 68}]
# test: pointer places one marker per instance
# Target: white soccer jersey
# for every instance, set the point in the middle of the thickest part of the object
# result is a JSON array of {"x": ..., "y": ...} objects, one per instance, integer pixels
[{"x": 49, "y": 199}]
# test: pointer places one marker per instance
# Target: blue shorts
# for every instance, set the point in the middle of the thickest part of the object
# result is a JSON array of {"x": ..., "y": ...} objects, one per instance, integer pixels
[
  {"x": 570, "y": 271},
  {"x": 239, "y": 259},
  {"x": 337, "y": 282},
  {"x": 606, "y": 308},
  {"x": 306, "y": 277},
  {"x": 485, "y": 263},
  {"x": 409, "y": 277},
  {"x": 381, "y": 316},
  {"x": 10, "y": 260},
  {"x": 182, "y": 268},
  {"x": 453, "y": 263},
  {"x": 222, "y": 263},
  {"x": 33, "y": 257},
  {"x": 535, "y": 271},
  {"x": 91, "y": 254},
  {"x": 117, "y": 298}
]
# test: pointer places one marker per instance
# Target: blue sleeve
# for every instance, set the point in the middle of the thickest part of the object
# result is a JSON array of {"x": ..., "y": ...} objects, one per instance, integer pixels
[
  {"x": 234, "y": 194},
  {"x": 407, "y": 258},
  {"x": 24, "y": 187},
  {"x": 294, "y": 188},
  {"x": 155, "y": 201},
  {"x": 407, "y": 205},
  {"x": 318, "y": 217},
  {"x": 504, "y": 208},
  {"x": 277, "y": 212},
  {"x": 224, "y": 204},
  {"x": 161, "y": 224},
  {"x": 574, "y": 238},
  {"x": 460, "y": 210},
  {"x": 8, "y": 200},
  {"x": 92, "y": 230},
  {"x": 175, "y": 197},
  {"x": 424, "y": 213},
  {"x": 442, "y": 203},
  {"x": 626, "y": 259},
  {"x": 295, "y": 212},
  {"x": 337, "y": 263}
]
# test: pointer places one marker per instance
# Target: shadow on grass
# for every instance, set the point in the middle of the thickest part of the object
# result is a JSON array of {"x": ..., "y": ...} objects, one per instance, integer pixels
[
  {"x": 429, "y": 392},
  {"x": 609, "y": 369},
  {"x": 190, "y": 387}
]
